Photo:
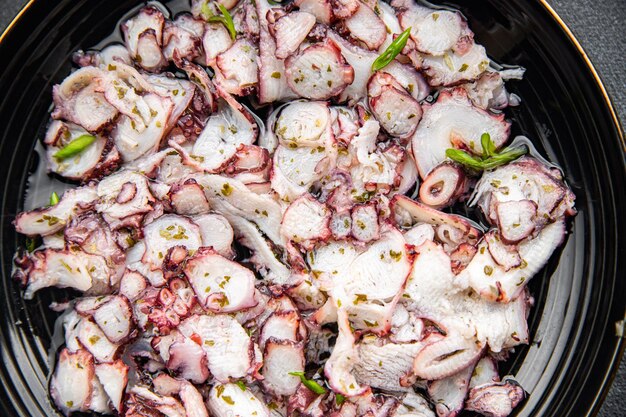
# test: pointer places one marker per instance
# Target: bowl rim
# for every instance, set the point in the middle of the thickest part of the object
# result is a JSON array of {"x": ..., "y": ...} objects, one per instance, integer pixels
[{"x": 619, "y": 345}]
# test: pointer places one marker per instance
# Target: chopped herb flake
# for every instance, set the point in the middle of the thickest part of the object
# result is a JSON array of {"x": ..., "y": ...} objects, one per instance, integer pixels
[
  {"x": 392, "y": 51},
  {"x": 54, "y": 199},
  {"x": 309, "y": 383},
  {"x": 75, "y": 147}
]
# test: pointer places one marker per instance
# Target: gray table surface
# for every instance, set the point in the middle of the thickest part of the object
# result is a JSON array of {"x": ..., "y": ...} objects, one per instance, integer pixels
[{"x": 598, "y": 25}]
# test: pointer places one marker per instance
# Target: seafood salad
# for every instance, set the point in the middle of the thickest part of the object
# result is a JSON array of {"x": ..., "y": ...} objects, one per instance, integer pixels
[{"x": 268, "y": 216}]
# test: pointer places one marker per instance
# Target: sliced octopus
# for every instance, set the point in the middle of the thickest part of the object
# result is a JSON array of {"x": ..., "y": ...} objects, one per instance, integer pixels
[{"x": 268, "y": 222}]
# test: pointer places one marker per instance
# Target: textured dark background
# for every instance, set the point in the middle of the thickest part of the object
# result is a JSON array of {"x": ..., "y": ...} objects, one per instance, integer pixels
[{"x": 598, "y": 25}]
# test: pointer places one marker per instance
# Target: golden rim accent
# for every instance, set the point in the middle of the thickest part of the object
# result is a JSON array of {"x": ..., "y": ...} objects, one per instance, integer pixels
[
  {"x": 581, "y": 51},
  {"x": 15, "y": 19}
]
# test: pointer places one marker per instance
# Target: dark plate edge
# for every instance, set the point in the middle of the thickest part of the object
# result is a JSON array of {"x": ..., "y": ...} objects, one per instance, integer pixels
[{"x": 619, "y": 348}]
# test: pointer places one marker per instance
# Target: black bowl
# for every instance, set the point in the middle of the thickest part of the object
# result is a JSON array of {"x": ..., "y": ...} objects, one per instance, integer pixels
[{"x": 565, "y": 110}]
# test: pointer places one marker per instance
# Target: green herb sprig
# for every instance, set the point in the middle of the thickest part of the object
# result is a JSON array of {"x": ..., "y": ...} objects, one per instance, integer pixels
[
  {"x": 75, "y": 147},
  {"x": 392, "y": 51},
  {"x": 226, "y": 19},
  {"x": 490, "y": 158},
  {"x": 309, "y": 383}
]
